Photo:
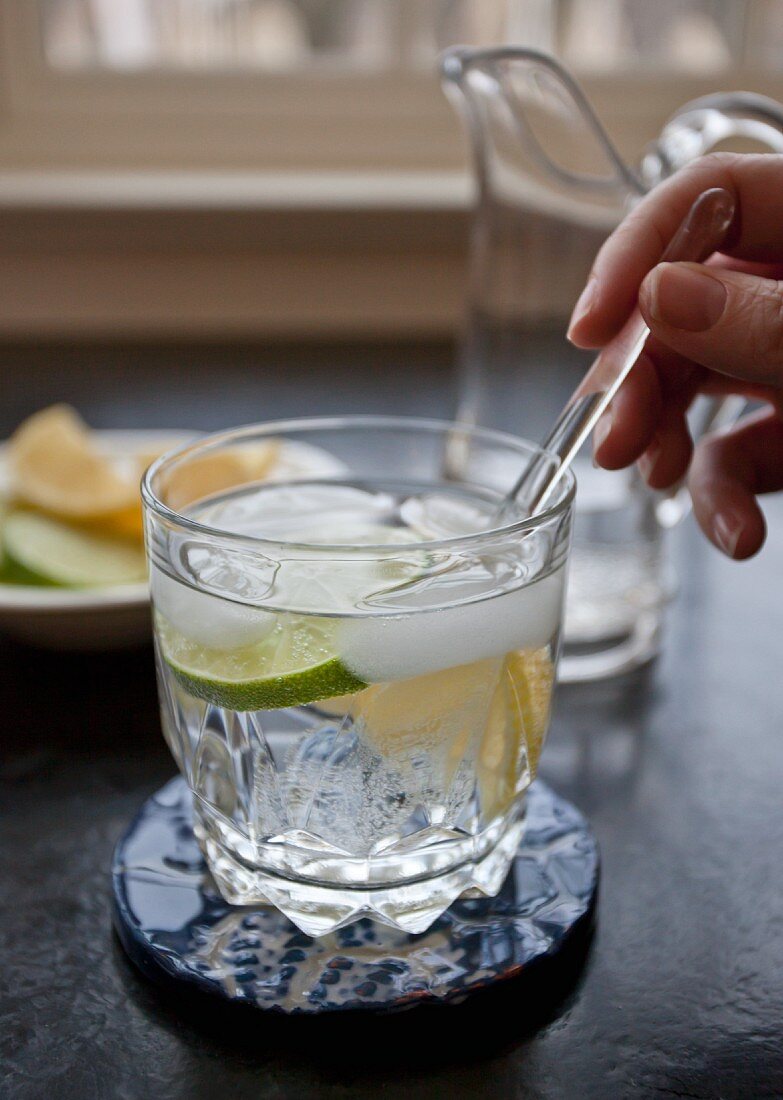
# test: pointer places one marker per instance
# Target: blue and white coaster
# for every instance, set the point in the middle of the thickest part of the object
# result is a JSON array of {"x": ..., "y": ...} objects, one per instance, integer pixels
[{"x": 178, "y": 930}]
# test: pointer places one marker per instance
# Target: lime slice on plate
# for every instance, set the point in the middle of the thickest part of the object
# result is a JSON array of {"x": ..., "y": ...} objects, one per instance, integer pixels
[
  {"x": 294, "y": 664},
  {"x": 40, "y": 550}
]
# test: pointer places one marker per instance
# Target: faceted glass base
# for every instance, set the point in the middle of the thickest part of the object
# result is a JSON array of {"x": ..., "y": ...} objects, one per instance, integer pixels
[
  {"x": 409, "y": 890},
  {"x": 308, "y": 812}
]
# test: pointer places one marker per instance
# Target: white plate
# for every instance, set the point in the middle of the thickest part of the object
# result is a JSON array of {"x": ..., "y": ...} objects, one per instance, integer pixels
[{"x": 119, "y": 616}]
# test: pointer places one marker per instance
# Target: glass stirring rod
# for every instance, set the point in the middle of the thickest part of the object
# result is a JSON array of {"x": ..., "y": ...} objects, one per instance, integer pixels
[{"x": 703, "y": 231}]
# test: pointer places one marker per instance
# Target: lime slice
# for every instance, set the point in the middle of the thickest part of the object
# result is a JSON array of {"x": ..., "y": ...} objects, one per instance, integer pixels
[
  {"x": 294, "y": 664},
  {"x": 12, "y": 572},
  {"x": 44, "y": 551}
]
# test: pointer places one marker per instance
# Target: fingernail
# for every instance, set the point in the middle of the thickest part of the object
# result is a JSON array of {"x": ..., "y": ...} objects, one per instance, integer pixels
[
  {"x": 600, "y": 432},
  {"x": 727, "y": 529},
  {"x": 584, "y": 304},
  {"x": 649, "y": 459},
  {"x": 685, "y": 297}
]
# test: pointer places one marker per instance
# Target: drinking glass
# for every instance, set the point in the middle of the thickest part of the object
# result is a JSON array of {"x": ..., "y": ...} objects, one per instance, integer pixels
[{"x": 355, "y": 660}]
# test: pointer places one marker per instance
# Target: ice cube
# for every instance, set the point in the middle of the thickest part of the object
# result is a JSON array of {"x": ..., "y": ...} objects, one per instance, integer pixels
[
  {"x": 205, "y": 619},
  {"x": 442, "y": 516},
  {"x": 319, "y": 513},
  {"x": 382, "y": 648},
  {"x": 299, "y": 460}
]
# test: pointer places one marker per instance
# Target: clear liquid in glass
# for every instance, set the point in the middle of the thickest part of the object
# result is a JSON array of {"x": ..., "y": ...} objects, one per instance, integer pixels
[{"x": 397, "y": 795}]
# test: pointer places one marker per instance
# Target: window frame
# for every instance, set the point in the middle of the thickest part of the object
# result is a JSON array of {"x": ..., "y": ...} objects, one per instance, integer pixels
[{"x": 314, "y": 119}]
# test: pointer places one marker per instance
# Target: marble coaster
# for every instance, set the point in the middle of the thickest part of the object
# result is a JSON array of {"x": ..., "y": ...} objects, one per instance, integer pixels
[{"x": 178, "y": 930}]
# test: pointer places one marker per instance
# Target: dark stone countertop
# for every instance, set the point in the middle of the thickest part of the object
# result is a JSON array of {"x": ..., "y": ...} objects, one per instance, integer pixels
[{"x": 680, "y": 771}]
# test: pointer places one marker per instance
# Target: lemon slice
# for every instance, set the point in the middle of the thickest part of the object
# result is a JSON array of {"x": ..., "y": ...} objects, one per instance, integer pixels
[
  {"x": 41, "y": 550},
  {"x": 127, "y": 524},
  {"x": 426, "y": 713},
  {"x": 195, "y": 479},
  {"x": 56, "y": 467},
  {"x": 516, "y": 722},
  {"x": 185, "y": 485},
  {"x": 337, "y": 707},
  {"x": 295, "y": 663}
]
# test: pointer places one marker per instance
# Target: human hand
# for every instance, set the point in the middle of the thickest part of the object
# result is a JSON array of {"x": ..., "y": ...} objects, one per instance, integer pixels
[{"x": 716, "y": 328}]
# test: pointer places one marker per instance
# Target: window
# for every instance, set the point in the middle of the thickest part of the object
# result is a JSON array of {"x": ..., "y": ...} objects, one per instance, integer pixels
[
  {"x": 362, "y": 35},
  {"x": 264, "y": 35},
  {"x": 328, "y": 84},
  {"x": 292, "y": 166},
  {"x": 235, "y": 84}
]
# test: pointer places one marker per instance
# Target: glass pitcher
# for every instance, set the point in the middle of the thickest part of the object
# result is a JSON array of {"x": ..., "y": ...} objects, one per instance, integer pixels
[{"x": 551, "y": 185}]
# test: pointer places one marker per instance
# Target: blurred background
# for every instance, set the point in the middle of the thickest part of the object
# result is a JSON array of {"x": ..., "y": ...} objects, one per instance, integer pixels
[
  {"x": 256, "y": 170},
  {"x": 221, "y": 211}
]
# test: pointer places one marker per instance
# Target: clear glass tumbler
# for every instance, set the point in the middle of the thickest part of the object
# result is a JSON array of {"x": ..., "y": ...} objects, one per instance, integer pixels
[{"x": 355, "y": 660}]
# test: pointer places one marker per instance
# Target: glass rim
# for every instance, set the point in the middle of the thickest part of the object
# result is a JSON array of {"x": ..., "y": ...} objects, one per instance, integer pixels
[{"x": 351, "y": 421}]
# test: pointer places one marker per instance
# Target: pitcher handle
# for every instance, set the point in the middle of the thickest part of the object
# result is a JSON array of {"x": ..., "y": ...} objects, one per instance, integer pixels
[
  {"x": 460, "y": 66},
  {"x": 703, "y": 124}
]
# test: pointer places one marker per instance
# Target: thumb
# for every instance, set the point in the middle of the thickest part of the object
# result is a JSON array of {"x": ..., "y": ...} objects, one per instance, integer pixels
[{"x": 728, "y": 321}]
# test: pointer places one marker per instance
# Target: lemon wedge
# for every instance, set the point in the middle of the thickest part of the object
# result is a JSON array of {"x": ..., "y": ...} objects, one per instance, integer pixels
[
  {"x": 196, "y": 479},
  {"x": 56, "y": 467},
  {"x": 441, "y": 710},
  {"x": 516, "y": 723}
]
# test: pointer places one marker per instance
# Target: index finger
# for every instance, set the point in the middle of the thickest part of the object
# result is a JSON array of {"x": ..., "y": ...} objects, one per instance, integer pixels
[{"x": 636, "y": 246}]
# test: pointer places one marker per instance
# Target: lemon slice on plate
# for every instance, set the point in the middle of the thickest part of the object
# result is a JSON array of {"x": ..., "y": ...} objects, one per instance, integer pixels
[
  {"x": 56, "y": 467},
  {"x": 195, "y": 479}
]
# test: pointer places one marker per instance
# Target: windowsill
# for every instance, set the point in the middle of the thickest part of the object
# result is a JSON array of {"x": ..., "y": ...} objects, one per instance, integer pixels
[
  {"x": 164, "y": 190},
  {"x": 216, "y": 255}
]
